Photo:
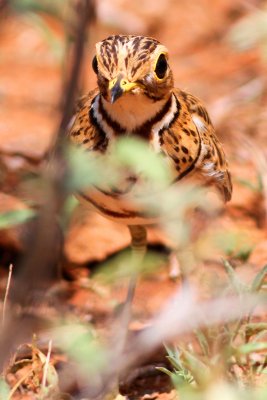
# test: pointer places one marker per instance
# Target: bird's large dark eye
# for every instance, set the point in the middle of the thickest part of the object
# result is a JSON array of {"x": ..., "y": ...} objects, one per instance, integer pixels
[
  {"x": 161, "y": 66},
  {"x": 95, "y": 65}
]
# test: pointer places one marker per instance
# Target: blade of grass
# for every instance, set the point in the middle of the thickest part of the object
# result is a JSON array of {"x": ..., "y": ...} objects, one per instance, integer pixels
[
  {"x": 254, "y": 328},
  {"x": 202, "y": 340},
  {"x": 259, "y": 279},
  {"x": 200, "y": 371},
  {"x": 252, "y": 347},
  {"x": 237, "y": 284},
  {"x": 6, "y": 293},
  {"x": 47, "y": 360}
]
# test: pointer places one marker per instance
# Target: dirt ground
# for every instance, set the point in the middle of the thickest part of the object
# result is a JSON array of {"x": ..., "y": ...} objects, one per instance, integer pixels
[{"x": 208, "y": 60}]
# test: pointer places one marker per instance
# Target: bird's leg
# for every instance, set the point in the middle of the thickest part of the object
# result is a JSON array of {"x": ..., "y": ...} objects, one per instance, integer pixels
[
  {"x": 138, "y": 246},
  {"x": 174, "y": 266},
  {"x": 181, "y": 263}
]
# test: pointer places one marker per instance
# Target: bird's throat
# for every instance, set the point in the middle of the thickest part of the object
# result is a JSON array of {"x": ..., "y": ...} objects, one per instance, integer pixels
[{"x": 131, "y": 111}]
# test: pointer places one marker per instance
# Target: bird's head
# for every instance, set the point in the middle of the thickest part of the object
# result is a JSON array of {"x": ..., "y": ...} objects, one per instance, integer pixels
[{"x": 132, "y": 64}]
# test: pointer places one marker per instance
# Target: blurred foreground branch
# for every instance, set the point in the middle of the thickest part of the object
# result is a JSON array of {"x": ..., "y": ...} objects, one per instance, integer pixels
[
  {"x": 37, "y": 268},
  {"x": 3, "y": 4}
]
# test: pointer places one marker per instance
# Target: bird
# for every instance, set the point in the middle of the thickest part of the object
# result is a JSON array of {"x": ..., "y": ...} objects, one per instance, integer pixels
[{"x": 136, "y": 96}]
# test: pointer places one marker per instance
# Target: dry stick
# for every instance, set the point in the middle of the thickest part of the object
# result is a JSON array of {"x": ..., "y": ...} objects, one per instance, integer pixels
[
  {"x": 6, "y": 293},
  {"x": 3, "y": 5},
  {"x": 47, "y": 364},
  {"x": 19, "y": 382}
]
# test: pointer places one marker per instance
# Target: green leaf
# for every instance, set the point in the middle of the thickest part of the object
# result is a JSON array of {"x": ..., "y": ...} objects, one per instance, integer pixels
[
  {"x": 252, "y": 347},
  {"x": 86, "y": 170},
  {"x": 136, "y": 154},
  {"x": 81, "y": 345},
  {"x": 234, "y": 243},
  {"x": 56, "y": 45},
  {"x": 165, "y": 370},
  {"x": 181, "y": 376},
  {"x": 70, "y": 205},
  {"x": 181, "y": 379},
  {"x": 259, "y": 279},
  {"x": 202, "y": 340},
  {"x": 253, "y": 187},
  {"x": 4, "y": 390},
  {"x": 174, "y": 358},
  {"x": 250, "y": 31},
  {"x": 200, "y": 371},
  {"x": 130, "y": 157},
  {"x": 236, "y": 283},
  {"x": 15, "y": 217},
  {"x": 254, "y": 328},
  {"x": 52, "y": 7},
  {"x": 124, "y": 266}
]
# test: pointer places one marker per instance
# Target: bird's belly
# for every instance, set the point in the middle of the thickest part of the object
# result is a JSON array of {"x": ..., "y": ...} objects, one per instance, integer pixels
[
  {"x": 135, "y": 204},
  {"x": 119, "y": 207}
]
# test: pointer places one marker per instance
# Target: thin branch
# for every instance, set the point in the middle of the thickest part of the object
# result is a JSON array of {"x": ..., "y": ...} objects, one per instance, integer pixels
[
  {"x": 7, "y": 293},
  {"x": 19, "y": 382},
  {"x": 87, "y": 14},
  {"x": 3, "y": 5},
  {"x": 47, "y": 360}
]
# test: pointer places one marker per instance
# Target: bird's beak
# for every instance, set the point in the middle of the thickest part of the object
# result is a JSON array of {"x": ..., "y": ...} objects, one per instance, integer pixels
[{"x": 118, "y": 86}]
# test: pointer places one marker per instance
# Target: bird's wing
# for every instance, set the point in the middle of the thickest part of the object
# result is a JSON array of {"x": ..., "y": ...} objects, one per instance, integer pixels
[
  {"x": 193, "y": 146},
  {"x": 84, "y": 129}
]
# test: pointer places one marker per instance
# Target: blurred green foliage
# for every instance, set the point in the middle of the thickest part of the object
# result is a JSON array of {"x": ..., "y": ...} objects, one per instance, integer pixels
[
  {"x": 35, "y": 13},
  {"x": 251, "y": 31},
  {"x": 54, "y": 42},
  {"x": 4, "y": 390},
  {"x": 82, "y": 345},
  {"x": 232, "y": 355},
  {"x": 235, "y": 243},
  {"x": 133, "y": 157},
  {"x": 15, "y": 217},
  {"x": 121, "y": 267},
  {"x": 52, "y": 7}
]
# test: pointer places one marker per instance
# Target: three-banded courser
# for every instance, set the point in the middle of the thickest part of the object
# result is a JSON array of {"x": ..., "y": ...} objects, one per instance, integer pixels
[{"x": 136, "y": 96}]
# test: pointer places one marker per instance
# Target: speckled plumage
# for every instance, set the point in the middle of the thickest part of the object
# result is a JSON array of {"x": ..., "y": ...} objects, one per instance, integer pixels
[{"x": 136, "y": 96}]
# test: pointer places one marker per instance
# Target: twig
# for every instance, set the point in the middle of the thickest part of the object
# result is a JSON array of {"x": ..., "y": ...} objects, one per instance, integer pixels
[
  {"x": 47, "y": 364},
  {"x": 3, "y": 5},
  {"x": 6, "y": 293},
  {"x": 86, "y": 15}
]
